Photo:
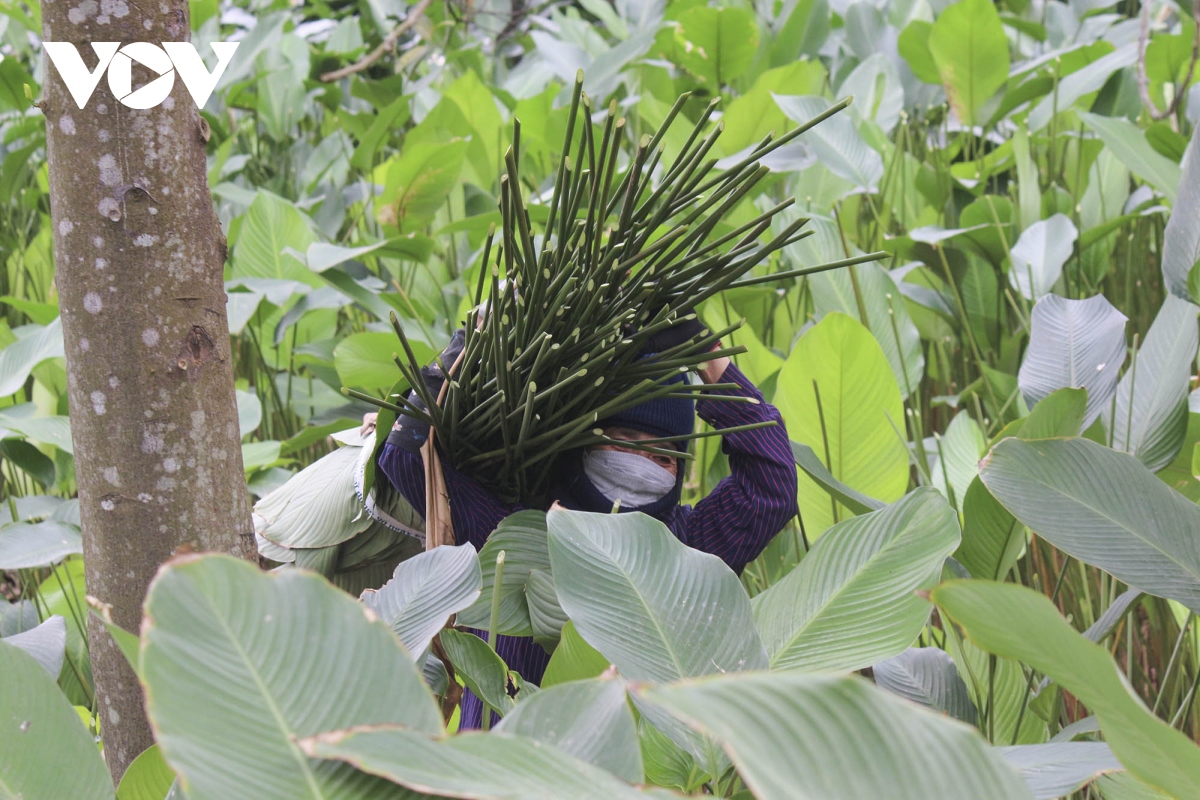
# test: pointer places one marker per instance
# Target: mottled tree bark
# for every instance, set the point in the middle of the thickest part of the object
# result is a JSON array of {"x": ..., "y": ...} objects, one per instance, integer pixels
[{"x": 139, "y": 258}]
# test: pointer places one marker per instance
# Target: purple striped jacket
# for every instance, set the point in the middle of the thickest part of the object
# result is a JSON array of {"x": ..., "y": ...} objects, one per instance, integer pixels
[{"x": 734, "y": 522}]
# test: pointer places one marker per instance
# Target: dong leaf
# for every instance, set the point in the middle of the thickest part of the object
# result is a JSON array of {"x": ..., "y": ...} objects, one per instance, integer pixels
[
  {"x": 1039, "y": 255},
  {"x": 317, "y": 508},
  {"x": 1079, "y": 83},
  {"x": 590, "y": 720},
  {"x": 1181, "y": 239},
  {"x": 992, "y": 537},
  {"x": 1150, "y": 416},
  {"x": 492, "y": 766},
  {"x": 716, "y": 45},
  {"x": 573, "y": 659},
  {"x": 1057, "y": 769},
  {"x": 1104, "y": 508},
  {"x": 927, "y": 675},
  {"x": 1074, "y": 343},
  {"x": 971, "y": 53},
  {"x": 835, "y": 141},
  {"x": 417, "y": 181},
  {"x": 46, "y": 752},
  {"x": 270, "y": 226},
  {"x": 855, "y": 502},
  {"x": 958, "y": 454},
  {"x": 148, "y": 777},
  {"x": 886, "y": 315},
  {"x": 851, "y": 602},
  {"x": 1016, "y": 622},
  {"x": 481, "y": 669},
  {"x": 859, "y": 406},
  {"x": 1129, "y": 145},
  {"x": 546, "y": 616},
  {"x": 239, "y": 664},
  {"x": 31, "y": 348},
  {"x": 654, "y": 607},
  {"x": 799, "y": 736},
  {"x": 424, "y": 591},
  {"x": 46, "y": 643},
  {"x": 522, "y": 537},
  {"x": 37, "y": 544}
]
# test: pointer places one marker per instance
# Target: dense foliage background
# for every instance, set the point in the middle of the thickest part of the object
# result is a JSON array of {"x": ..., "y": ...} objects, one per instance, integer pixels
[{"x": 1030, "y": 168}]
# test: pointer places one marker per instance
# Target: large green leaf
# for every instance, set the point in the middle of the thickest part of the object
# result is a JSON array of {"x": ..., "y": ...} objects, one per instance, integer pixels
[
  {"x": 546, "y": 616},
  {"x": 365, "y": 359},
  {"x": 1074, "y": 343},
  {"x": 522, "y": 537},
  {"x": 1001, "y": 687},
  {"x": 47, "y": 643},
  {"x": 1056, "y": 769},
  {"x": 970, "y": 50},
  {"x": 37, "y": 544},
  {"x": 1123, "y": 786},
  {"x": 1104, "y": 508},
  {"x": 803, "y": 736},
  {"x": 32, "y": 347},
  {"x": 835, "y": 142},
  {"x": 590, "y": 720},
  {"x": 573, "y": 659},
  {"x": 859, "y": 405},
  {"x": 654, "y": 607},
  {"x": 992, "y": 538},
  {"x": 417, "y": 181},
  {"x": 492, "y": 766},
  {"x": 716, "y": 44},
  {"x": 1153, "y": 424},
  {"x": 887, "y": 315},
  {"x": 958, "y": 452},
  {"x": 318, "y": 507},
  {"x": 753, "y": 114},
  {"x": 851, "y": 602},
  {"x": 913, "y": 46},
  {"x": 1039, "y": 254},
  {"x": 1181, "y": 239},
  {"x": 148, "y": 777},
  {"x": 271, "y": 225},
  {"x": 1010, "y": 620},
  {"x": 424, "y": 591},
  {"x": 1080, "y": 83},
  {"x": 927, "y": 675},
  {"x": 480, "y": 668},
  {"x": 813, "y": 467},
  {"x": 46, "y": 751},
  {"x": 24, "y": 419},
  {"x": 238, "y": 664},
  {"x": 1129, "y": 145}
]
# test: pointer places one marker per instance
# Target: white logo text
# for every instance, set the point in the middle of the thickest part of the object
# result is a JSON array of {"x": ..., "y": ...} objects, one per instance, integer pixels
[{"x": 164, "y": 61}]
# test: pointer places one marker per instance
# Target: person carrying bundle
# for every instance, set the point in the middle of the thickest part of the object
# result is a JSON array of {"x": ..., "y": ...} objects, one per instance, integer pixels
[{"x": 735, "y": 521}]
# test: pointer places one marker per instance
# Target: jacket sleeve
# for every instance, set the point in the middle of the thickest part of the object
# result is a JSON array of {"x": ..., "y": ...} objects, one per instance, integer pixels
[
  {"x": 474, "y": 512},
  {"x": 743, "y": 513}
]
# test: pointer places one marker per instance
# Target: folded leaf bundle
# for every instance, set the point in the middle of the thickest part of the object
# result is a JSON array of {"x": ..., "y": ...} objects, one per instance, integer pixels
[{"x": 628, "y": 248}]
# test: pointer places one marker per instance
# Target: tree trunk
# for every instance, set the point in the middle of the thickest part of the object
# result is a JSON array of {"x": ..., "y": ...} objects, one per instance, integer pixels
[{"x": 139, "y": 258}]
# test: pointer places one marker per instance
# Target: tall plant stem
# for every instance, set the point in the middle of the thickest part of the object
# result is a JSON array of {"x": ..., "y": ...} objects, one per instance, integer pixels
[{"x": 494, "y": 623}]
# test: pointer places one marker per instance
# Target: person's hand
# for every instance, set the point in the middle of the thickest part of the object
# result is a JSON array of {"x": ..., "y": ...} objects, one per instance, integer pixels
[
  {"x": 368, "y": 424},
  {"x": 557, "y": 506},
  {"x": 711, "y": 371}
]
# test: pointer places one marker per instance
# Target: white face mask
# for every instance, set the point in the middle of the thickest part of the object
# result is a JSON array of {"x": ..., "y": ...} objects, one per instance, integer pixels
[{"x": 633, "y": 479}]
